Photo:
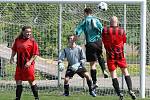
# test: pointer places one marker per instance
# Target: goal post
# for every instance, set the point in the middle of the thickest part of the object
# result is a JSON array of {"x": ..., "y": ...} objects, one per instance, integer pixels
[
  {"x": 143, "y": 9},
  {"x": 143, "y": 48}
]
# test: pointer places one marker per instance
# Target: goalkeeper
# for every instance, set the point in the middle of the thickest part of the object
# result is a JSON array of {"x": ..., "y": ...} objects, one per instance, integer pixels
[{"x": 76, "y": 59}]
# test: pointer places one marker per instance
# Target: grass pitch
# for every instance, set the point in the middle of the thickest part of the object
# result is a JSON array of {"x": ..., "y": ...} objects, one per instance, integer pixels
[{"x": 45, "y": 96}]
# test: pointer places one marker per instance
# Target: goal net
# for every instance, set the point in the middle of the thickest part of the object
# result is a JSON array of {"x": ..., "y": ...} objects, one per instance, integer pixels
[{"x": 45, "y": 20}]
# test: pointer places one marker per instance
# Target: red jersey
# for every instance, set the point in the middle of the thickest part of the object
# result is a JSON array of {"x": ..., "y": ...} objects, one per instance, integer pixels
[
  {"x": 114, "y": 39},
  {"x": 25, "y": 49}
]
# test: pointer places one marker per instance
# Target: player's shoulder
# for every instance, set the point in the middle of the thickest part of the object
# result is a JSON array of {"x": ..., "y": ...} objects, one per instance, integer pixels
[
  {"x": 33, "y": 40},
  {"x": 17, "y": 39},
  {"x": 79, "y": 47},
  {"x": 106, "y": 28},
  {"x": 121, "y": 30}
]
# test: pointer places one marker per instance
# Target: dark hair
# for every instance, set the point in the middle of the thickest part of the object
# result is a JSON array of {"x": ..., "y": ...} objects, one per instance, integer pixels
[
  {"x": 23, "y": 29},
  {"x": 26, "y": 27},
  {"x": 88, "y": 10},
  {"x": 69, "y": 36}
]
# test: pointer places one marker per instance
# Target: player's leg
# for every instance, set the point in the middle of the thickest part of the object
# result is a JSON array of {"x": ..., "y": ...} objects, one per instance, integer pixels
[
  {"x": 92, "y": 58},
  {"x": 101, "y": 60},
  {"x": 128, "y": 82},
  {"x": 34, "y": 89},
  {"x": 66, "y": 86},
  {"x": 19, "y": 89},
  {"x": 89, "y": 83},
  {"x": 69, "y": 74},
  {"x": 82, "y": 72},
  {"x": 116, "y": 84},
  {"x": 93, "y": 73},
  {"x": 112, "y": 69},
  {"x": 123, "y": 65}
]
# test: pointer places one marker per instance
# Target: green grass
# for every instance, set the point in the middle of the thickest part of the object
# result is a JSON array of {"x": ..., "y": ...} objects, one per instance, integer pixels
[{"x": 25, "y": 96}]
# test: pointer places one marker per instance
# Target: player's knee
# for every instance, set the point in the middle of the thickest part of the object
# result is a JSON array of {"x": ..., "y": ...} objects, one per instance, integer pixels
[
  {"x": 32, "y": 83},
  {"x": 66, "y": 80},
  {"x": 87, "y": 76},
  {"x": 19, "y": 82}
]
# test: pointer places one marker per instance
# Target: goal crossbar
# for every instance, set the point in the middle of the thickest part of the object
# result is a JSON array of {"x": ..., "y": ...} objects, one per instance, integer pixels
[{"x": 72, "y": 1}]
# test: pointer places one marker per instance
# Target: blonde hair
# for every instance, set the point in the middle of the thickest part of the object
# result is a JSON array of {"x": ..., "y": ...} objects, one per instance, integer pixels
[{"x": 114, "y": 21}]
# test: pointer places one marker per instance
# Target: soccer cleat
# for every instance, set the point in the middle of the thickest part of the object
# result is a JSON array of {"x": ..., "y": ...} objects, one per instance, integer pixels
[
  {"x": 121, "y": 96},
  {"x": 105, "y": 74},
  {"x": 17, "y": 98},
  {"x": 37, "y": 99},
  {"x": 65, "y": 94},
  {"x": 92, "y": 93},
  {"x": 95, "y": 86},
  {"x": 132, "y": 94}
]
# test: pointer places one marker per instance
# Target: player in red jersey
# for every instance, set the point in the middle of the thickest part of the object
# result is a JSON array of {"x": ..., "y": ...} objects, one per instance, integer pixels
[
  {"x": 114, "y": 38},
  {"x": 26, "y": 49}
]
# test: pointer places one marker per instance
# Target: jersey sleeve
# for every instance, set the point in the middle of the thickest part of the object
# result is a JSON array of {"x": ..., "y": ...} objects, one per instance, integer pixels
[
  {"x": 82, "y": 56},
  {"x": 62, "y": 55},
  {"x": 80, "y": 28},
  {"x": 124, "y": 37},
  {"x": 99, "y": 26},
  {"x": 104, "y": 36},
  {"x": 14, "y": 46},
  {"x": 35, "y": 48}
]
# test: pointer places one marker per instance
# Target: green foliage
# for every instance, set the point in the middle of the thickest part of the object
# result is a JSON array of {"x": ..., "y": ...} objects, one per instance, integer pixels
[{"x": 10, "y": 71}]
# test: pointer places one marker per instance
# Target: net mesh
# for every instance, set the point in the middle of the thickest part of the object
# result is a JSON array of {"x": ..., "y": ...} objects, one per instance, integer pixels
[{"x": 44, "y": 19}]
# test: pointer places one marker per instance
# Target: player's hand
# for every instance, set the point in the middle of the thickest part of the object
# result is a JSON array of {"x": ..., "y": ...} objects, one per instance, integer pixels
[
  {"x": 75, "y": 67},
  {"x": 28, "y": 64},
  {"x": 61, "y": 67},
  {"x": 11, "y": 60}
]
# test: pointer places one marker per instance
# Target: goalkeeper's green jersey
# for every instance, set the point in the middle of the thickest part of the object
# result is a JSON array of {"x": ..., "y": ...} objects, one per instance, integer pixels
[{"x": 91, "y": 27}]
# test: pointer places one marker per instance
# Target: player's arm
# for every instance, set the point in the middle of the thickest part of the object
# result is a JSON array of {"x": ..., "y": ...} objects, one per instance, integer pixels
[
  {"x": 61, "y": 59},
  {"x": 32, "y": 58},
  {"x": 14, "y": 50},
  {"x": 80, "y": 28},
  {"x": 35, "y": 53},
  {"x": 104, "y": 36},
  {"x": 124, "y": 37},
  {"x": 82, "y": 57},
  {"x": 12, "y": 56},
  {"x": 100, "y": 26},
  {"x": 62, "y": 56}
]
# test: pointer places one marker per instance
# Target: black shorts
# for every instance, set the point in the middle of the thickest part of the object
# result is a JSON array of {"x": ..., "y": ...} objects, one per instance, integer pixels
[
  {"x": 93, "y": 51},
  {"x": 80, "y": 72}
]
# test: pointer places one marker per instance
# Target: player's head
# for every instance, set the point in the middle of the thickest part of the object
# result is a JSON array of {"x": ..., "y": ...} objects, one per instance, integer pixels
[
  {"x": 71, "y": 40},
  {"x": 87, "y": 11},
  {"x": 114, "y": 21},
  {"x": 26, "y": 32}
]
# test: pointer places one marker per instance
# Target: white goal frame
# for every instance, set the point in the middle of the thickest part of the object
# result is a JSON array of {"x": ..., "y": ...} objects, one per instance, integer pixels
[{"x": 142, "y": 27}]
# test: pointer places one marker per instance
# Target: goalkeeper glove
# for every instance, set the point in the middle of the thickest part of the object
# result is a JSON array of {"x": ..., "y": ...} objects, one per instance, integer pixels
[
  {"x": 61, "y": 66},
  {"x": 75, "y": 67}
]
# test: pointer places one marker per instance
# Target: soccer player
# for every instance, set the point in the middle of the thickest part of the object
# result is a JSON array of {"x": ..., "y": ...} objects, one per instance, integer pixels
[
  {"x": 114, "y": 38},
  {"x": 92, "y": 28},
  {"x": 26, "y": 49},
  {"x": 76, "y": 59}
]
